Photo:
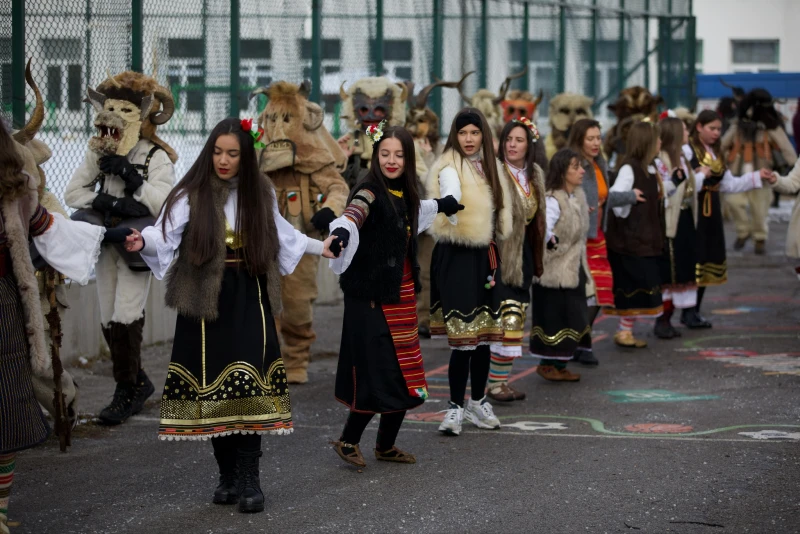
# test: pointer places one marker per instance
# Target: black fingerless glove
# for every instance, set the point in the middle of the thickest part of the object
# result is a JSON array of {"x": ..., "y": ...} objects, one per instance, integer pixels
[
  {"x": 341, "y": 241},
  {"x": 103, "y": 202},
  {"x": 448, "y": 205},
  {"x": 322, "y": 219},
  {"x": 116, "y": 235},
  {"x": 120, "y": 166},
  {"x": 678, "y": 177}
]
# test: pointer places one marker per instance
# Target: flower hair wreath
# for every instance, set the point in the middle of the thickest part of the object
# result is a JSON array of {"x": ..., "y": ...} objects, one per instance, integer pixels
[
  {"x": 251, "y": 127},
  {"x": 375, "y": 131},
  {"x": 526, "y": 122}
]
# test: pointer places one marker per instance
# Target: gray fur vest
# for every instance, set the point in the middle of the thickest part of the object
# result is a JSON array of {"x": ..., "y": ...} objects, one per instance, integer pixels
[
  {"x": 194, "y": 290},
  {"x": 562, "y": 264}
]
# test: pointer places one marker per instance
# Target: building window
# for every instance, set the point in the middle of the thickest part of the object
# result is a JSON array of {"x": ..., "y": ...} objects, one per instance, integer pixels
[
  {"x": 63, "y": 59},
  {"x": 607, "y": 56},
  {"x": 331, "y": 56},
  {"x": 541, "y": 69},
  {"x": 398, "y": 55},
  {"x": 185, "y": 73},
  {"x": 755, "y": 55},
  {"x": 255, "y": 67}
]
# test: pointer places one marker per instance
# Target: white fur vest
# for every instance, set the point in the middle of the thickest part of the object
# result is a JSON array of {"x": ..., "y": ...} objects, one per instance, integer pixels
[
  {"x": 16, "y": 216},
  {"x": 562, "y": 264},
  {"x": 476, "y": 223}
]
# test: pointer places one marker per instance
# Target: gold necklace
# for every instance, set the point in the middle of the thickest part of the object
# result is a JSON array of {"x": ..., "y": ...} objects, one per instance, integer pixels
[
  {"x": 527, "y": 193},
  {"x": 398, "y": 194}
]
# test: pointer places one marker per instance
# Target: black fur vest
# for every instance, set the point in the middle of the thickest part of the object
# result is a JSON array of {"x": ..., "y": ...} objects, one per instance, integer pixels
[{"x": 377, "y": 268}]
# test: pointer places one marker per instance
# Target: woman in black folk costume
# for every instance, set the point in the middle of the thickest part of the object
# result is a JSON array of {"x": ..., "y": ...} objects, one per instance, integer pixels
[
  {"x": 635, "y": 235},
  {"x": 713, "y": 178},
  {"x": 380, "y": 365},
  {"x": 521, "y": 253},
  {"x": 465, "y": 263},
  {"x": 226, "y": 379},
  {"x": 560, "y": 315}
]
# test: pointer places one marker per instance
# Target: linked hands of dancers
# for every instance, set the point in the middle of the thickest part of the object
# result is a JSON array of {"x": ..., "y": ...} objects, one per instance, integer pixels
[
  {"x": 448, "y": 205},
  {"x": 134, "y": 243},
  {"x": 639, "y": 195},
  {"x": 768, "y": 176},
  {"x": 339, "y": 239}
]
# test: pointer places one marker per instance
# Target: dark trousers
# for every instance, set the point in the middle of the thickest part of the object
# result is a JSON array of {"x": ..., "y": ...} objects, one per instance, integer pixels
[{"x": 388, "y": 428}]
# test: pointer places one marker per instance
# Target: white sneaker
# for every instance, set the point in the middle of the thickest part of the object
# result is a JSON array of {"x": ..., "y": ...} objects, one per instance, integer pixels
[
  {"x": 480, "y": 414},
  {"x": 451, "y": 425}
]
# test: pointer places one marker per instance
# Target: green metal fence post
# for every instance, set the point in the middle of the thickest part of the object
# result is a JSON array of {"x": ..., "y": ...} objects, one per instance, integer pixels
[
  {"x": 438, "y": 44},
  {"x": 562, "y": 48},
  {"x": 484, "y": 66},
  {"x": 18, "y": 62},
  {"x": 137, "y": 35},
  {"x": 647, "y": 42},
  {"x": 204, "y": 34},
  {"x": 525, "y": 30},
  {"x": 621, "y": 48},
  {"x": 88, "y": 123},
  {"x": 691, "y": 42},
  {"x": 377, "y": 51},
  {"x": 593, "y": 54},
  {"x": 233, "y": 103},
  {"x": 316, "y": 50}
]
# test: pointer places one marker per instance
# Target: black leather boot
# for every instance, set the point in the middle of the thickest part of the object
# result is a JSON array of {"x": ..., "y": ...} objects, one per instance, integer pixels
[
  {"x": 585, "y": 357},
  {"x": 227, "y": 491},
  {"x": 662, "y": 328},
  {"x": 144, "y": 388},
  {"x": 121, "y": 406},
  {"x": 251, "y": 498},
  {"x": 692, "y": 319}
]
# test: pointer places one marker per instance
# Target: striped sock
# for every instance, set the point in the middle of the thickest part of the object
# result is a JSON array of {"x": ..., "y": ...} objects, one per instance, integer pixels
[
  {"x": 499, "y": 369},
  {"x": 6, "y": 476},
  {"x": 626, "y": 323}
]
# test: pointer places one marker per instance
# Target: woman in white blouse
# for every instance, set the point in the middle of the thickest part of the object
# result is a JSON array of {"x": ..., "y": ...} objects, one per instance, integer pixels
[{"x": 226, "y": 379}]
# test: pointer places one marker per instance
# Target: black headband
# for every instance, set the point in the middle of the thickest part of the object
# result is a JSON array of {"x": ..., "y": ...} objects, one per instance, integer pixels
[{"x": 468, "y": 118}]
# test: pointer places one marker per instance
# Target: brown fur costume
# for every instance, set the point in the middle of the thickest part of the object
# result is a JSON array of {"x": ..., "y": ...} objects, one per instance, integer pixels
[
  {"x": 565, "y": 110},
  {"x": 633, "y": 104}
]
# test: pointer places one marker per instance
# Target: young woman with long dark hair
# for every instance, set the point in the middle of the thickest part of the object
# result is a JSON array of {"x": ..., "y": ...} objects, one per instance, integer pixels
[
  {"x": 559, "y": 317},
  {"x": 585, "y": 139},
  {"x": 380, "y": 365},
  {"x": 226, "y": 379},
  {"x": 713, "y": 178},
  {"x": 636, "y": 235},
  {"x": 521, "y": 253},
  {"x": 465, "y": 266}
]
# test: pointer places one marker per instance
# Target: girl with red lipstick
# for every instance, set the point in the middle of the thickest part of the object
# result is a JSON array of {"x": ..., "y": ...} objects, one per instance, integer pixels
[
  {"x": 522, "y": 252},
  {"x": 380, "y": 365},
  {"x": 465, "y": 267},
  {"x": 585, "y": 139},
  {"x": 222, "y": 246}
]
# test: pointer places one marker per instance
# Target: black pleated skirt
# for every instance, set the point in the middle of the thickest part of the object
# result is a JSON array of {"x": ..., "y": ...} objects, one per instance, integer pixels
[
  {"x": 22, "y": 423},
  {"x": 680, "y": 255},
  {"x": 637, "y": 284},
  {"x": 227, "y": 376},
  {"x": 712, "y": 266},
  {"x": 559, "y": 320}
]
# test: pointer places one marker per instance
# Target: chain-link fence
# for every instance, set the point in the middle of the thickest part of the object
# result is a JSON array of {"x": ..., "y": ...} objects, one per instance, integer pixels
[{"x": 594, "y": 47}]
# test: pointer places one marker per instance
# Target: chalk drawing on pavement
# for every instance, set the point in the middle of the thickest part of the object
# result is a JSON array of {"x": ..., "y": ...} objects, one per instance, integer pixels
[{"x": 654, "y": 395}]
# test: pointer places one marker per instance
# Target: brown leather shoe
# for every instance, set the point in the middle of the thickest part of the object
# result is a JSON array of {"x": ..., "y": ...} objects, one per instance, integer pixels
[
  {"x": 501, "y": 393},
  {"x": 761, "y": 247},
  {"x": 740, "y": 242},
  {"x": 518, "y": 395},
  {"x": 549, "y": 372},
  {"x": 624, "y": 338},
  {"x": 349, "y": 453},
  {"x": 395, "y": 455},
  {"x": 569, "y": 376}
]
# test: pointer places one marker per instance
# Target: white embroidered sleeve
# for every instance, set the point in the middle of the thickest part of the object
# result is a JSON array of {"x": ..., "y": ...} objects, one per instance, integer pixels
[
  {"x": 553, "y": 213},
  {"x": 71, "y": 247},
  {"x": 623, "y": 183},
  {"x": 449, "y": 184},
  {"x": 740, "y": 184},
  {"x": 294, "y": 243},
  {"x": 160, "y": 251},
  {"x": 428, "y": 209}
]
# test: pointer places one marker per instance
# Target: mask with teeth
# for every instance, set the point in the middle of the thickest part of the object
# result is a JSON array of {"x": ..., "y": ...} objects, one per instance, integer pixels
[{"x": 118, "y": 123}]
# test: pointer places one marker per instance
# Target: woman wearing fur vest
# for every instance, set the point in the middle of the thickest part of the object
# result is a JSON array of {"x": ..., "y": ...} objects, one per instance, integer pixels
[
  {"x": 226, "y": 380},
  {"x": 559, "y": 317},
  {"x": 465, "y": 266},
  {"x": 71, "y": 248},
  {"x": 585, "y": 139},
  {"x": 636, "y": 235},
  {"x": 521, "y": 252},
  {"x": 380, "y": 365}
]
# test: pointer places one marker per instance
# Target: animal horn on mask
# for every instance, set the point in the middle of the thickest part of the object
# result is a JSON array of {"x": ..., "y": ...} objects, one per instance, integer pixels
[
  {"x": 342, "y": 92},
  {"x": 32, "y": 127},
  {"x": 256, "y": 92},
  {"x": 163, "y": 95},
  {"x": 305, "y": 89},
  {"x": 507, "y": 84},
  {"x": 422, "y": 97},
  {"x": 460, "y": 87}
]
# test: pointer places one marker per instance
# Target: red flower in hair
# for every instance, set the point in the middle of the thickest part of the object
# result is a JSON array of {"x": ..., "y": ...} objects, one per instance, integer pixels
[{"x": 247, "y": 125}]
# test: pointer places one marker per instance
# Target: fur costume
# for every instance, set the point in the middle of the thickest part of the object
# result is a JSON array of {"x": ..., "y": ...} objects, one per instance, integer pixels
[
  {"x": 633, "y": 105},
  {"x": 478, "y": 228},
  {"x": 129, "y": 107},
  {"x": 571, "y": 230},
  {"x": 565, "y": 110},
  {"x": 366, "y": 102},
  {"x": 498, "y": 109},
  {"x": 304, "y": 162}
]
